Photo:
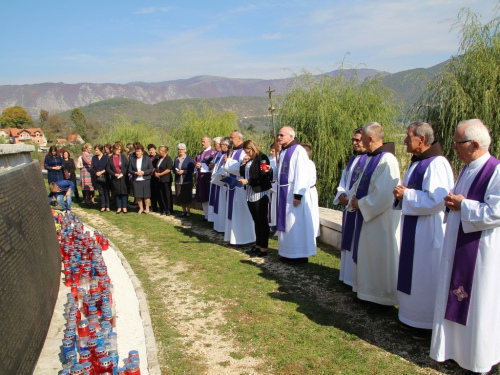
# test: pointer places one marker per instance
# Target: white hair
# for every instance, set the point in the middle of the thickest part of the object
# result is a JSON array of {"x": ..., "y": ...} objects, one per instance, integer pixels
[
  {"x": 182, "y": 145},
  {"x": 217, "y": 140},
  {"x": 290, "y": 131},
  {"x": 374, "y": 129},
  {"x": 475, "y": 130},
  {"x": 238, "y": 133}
]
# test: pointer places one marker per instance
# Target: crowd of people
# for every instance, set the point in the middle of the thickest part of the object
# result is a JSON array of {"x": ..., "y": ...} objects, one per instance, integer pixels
[{"x": 429, "y": 244}]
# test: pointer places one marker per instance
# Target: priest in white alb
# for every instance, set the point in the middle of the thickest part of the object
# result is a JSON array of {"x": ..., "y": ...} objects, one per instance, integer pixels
[
  {"x": 220, "y": 197},
  {"x": 420, "y": 198},
  {"x": 375, "y": 248},
  {"x": 239, "y": 230},
  {"x": 203, "y": 173},
  {"x": 295, "y": 223},
  {"x": 350, "y": 174},
  {"x": 467, "y": 314}
]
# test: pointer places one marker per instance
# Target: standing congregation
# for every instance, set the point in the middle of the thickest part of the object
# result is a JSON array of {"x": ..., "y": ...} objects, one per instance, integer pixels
[{"x": 428, "y": 243}]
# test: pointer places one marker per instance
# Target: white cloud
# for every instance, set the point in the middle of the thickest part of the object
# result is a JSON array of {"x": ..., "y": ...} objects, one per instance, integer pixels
[
  {"x": 271, "y": 36},
  {"x": 153, "y": 10}
]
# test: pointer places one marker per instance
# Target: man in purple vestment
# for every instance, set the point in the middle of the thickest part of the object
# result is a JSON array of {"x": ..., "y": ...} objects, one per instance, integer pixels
[
  {"x": 203, "y": 174},
  {"x": 466, "y": 325}
]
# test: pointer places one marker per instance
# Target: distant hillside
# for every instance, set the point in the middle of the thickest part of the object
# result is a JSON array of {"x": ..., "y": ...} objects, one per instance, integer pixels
[
  {"x": 249, "y": 109},
  {"x": 410, "y": 84},
  {"x": 60, "y": 97}
]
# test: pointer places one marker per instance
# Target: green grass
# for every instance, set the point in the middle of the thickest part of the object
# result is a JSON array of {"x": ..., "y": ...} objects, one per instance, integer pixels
[{"x": 301, "y": 321}]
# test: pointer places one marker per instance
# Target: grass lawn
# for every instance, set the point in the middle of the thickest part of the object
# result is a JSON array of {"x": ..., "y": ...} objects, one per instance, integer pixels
[{"x": 217, "y": 311}]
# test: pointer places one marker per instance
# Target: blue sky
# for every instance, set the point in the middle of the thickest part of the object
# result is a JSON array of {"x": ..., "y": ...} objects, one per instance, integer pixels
[{"x": 153, "y": 41}]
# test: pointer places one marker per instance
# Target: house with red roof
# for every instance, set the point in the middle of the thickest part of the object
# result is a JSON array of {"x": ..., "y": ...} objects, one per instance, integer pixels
[{"x": 33, "y": 136}]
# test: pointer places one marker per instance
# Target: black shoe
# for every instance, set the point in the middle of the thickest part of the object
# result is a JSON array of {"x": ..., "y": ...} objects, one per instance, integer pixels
[
  {"x": 378, "y": 309},
  {"x": 252, "y": 250},
  {"x": 493, "y": 371},
  {"x": 422, "y": 334},
  {"x": 355, "y": 299},
  {"x": 294, "y": 260},
  {"x": 406, "y": 327},
  {"x": 259, "y": 254}
]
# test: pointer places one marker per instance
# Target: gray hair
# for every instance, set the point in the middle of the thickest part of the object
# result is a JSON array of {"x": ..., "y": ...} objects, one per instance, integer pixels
[
  {"x": 475, "y": 130},
  {"x": 238, "y": 133},
  {"x": 423, "y": 129},
  {"x": 207, "y": 137},
  {"x": 182, "y": 145},
  {"x": 225, "y": 141},
  {"x": 217, "y": 140},
  {"x": 290, "y": 131},
  {"x": 374, "y": 129}
]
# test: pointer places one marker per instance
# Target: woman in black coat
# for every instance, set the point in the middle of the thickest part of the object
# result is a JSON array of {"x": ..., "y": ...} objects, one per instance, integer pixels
[
  {"x": 141, "y": 168},
  {"x": 70, "y": 167},
  {"x": 258, "y": 175},
  {"x": 98, "y": 167},
  {"x": 117, "y": 168},
  {"x": 163, "y": 173}
]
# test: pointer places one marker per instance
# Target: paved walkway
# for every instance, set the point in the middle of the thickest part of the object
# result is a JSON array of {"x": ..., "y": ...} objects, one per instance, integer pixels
[{"x": 133, "y": 323}]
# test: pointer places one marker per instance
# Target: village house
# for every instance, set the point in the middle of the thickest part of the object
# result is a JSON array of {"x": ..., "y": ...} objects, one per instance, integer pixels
[{"x": 33, "y": 136}]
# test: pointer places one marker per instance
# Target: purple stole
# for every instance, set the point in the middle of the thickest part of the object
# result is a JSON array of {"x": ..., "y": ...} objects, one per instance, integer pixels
[
  {"x": 464, "y": 263},
  {"x": 349, "y": 218},
  {"x": 283, "y": 188},
  {"x": 361, "y": 192},
  {"x": 214, "y": 190},
  {"x": 405, "y": 272},
  {"x": 235, "y": 156},
  {"x": 203, "y": 179}
]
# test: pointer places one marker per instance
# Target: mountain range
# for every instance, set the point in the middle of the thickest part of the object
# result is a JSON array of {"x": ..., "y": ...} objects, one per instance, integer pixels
[{"x": 60, "y": 97}]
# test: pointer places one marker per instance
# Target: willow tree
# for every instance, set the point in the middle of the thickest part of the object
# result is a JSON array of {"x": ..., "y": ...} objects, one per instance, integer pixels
[
  {"x": 324, "y": 111},
  {"x": 122, "y": 129},
  {"x": 468, "y": 85},
  {"x": 192, "y": 125}
]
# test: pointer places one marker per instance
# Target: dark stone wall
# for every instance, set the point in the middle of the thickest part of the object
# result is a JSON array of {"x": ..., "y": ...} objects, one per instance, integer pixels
[{"x": 29, "y": 268}]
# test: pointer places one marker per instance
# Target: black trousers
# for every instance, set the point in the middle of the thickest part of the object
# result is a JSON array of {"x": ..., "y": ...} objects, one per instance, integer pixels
[
  {"x": 259, "y": 211},
  {"x": 102, "y": 188},
  {"x": 77, "y": 194},
  {"x": 165, "y": 196},
  {"x": 155, "y": 186}
]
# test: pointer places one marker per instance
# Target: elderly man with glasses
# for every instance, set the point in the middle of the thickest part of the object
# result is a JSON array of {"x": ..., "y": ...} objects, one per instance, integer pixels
[{"x": 466, "y": 317}]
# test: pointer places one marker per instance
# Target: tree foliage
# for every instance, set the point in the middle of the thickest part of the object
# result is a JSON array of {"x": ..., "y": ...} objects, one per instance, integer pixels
[
  {"x": 80, "y": 122},
  {"x": 468, "y": 85},
  {"x": 15, "y": 117},
  {"x": 324, "y": 111},
  {"x": 44, "y": 115},
  {"x": 191, "y": 126}
]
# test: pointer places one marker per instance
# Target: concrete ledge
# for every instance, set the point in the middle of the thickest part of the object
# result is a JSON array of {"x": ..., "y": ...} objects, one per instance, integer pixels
[
  {"x": 330, "y": 226},
  {"x": 14, "y": 155}
]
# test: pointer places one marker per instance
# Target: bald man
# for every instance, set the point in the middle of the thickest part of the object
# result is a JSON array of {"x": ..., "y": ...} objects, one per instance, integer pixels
[
  {"x": 294, "y": 222},
  {"x": 375, "y": 247}
]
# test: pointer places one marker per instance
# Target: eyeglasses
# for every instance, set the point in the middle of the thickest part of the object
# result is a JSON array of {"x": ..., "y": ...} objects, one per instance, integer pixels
[
  {"x": 455, "y": 143},
  {"x": 355, "y": 140},
  {"x": 281, "y": 135}
]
